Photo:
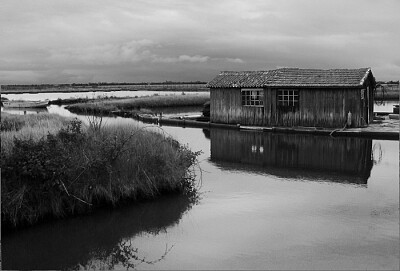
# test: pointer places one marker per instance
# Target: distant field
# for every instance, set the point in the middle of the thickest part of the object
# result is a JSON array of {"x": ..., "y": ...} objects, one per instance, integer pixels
[{"x": 16, "y": 89}]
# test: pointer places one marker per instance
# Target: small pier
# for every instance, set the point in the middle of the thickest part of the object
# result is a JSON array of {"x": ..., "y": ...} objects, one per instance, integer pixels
[{"x": 384, "y": 128}]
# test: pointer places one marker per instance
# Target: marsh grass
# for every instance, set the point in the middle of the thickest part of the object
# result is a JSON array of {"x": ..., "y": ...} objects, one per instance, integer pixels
[
  {"x": 77, "y": 168},
  {"x": 149, "y": 102},
  {"x": 31, "y": 126}
]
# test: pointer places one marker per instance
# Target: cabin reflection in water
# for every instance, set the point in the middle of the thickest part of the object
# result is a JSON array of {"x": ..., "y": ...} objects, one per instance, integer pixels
[{"x": 341, "y": 159}]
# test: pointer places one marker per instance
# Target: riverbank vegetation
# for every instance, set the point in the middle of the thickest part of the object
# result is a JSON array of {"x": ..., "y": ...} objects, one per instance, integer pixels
[
  {"x": 387, "y": 94},
  {"x": 87, "y": 99},
  {"x": 146, "y": 104},
  {"x": 59, "y": 167},
  {"x": 31, "y": 126}
]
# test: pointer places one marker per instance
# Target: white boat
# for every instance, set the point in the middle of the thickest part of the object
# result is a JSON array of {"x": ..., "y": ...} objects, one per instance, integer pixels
[{"x": 25, "y": 104}]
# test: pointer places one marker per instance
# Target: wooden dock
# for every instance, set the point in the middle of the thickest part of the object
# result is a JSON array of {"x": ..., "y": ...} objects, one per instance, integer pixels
[{"x": 388, "y": 129}]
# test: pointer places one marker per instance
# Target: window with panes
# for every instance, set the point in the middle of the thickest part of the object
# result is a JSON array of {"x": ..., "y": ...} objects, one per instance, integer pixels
[
  {"x": 288, "y": 99},
  {"x": 253, "y": 97}
]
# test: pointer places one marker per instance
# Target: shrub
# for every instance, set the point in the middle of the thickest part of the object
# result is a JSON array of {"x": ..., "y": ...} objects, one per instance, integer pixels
[
  {"x": 74, "y": 170},
  {"x": 206, "y": 109},
  {"x": 32, "y": 176}
]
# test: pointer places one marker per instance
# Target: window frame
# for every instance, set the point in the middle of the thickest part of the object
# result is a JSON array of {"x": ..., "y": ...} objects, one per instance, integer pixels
[
  {"x": 287, "y": 100},
  {"x": 252, "y": 97}
]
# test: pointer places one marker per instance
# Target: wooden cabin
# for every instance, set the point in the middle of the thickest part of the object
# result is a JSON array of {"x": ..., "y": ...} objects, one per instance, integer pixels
[{"x": 293, "y": 97}]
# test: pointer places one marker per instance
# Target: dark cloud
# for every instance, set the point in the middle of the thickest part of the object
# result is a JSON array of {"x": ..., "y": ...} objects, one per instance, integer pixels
[{"x": 81, "y": 41}]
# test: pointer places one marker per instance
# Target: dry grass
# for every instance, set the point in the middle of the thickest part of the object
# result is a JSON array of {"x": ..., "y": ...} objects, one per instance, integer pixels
[
  {"x": 32, "y": 126},
  {"x": 150, "y": 102}
]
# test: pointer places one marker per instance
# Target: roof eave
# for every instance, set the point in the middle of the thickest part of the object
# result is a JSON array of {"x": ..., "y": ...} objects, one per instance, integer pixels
[{"x": 362, "y": 81}]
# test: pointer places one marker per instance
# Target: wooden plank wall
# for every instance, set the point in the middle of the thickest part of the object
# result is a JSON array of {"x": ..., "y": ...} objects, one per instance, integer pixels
[
  {"x": 324, "y": 108},
  {"x": 345, "y": 157},
  {"x": 226, "y": 107},
  {"x": 317, "y": 108}
]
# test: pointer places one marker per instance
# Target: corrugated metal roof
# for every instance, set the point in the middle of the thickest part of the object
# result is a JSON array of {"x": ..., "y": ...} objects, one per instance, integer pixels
[{"x": 291, "y": 77}]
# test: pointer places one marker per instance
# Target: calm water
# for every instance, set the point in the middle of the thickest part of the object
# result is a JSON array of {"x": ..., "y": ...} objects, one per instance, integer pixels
[
  {"x": 269, "y": 201},
  {"x": 385, "y": 106},
  {"x": 54, "y": 96}
]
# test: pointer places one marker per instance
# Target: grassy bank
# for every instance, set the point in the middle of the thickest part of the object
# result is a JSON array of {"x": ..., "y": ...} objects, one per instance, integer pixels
[
  {"x": 99, "y": 98},
  {"x": 387, "y": 96},
  {"x": 150, "y": 103},
  {"x": 72, "y": 169}
]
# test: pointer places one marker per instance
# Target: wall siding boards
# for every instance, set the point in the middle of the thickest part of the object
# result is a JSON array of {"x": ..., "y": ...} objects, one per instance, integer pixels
[{"x": 324, "y": 107}]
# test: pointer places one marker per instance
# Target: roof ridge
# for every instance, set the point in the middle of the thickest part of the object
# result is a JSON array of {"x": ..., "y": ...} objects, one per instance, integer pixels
[
  {"x": 287, "y": 76},
  {"x": 296, "y": 68}
]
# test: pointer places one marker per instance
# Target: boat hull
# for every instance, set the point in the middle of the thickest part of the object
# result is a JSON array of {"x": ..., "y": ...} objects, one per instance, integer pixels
[{"x": 25, "y": 104}]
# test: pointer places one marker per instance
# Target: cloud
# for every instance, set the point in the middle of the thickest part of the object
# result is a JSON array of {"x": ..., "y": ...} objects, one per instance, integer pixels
[
  {"x": 105, "y": 54},
  {"x": 121, "y": 39},
  {"x": 234, "y": 60},
  {"x": 181, "y": 58}
]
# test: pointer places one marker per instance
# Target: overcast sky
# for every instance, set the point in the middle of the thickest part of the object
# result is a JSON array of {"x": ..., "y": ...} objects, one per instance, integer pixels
[{"x": 60, "y": 41}]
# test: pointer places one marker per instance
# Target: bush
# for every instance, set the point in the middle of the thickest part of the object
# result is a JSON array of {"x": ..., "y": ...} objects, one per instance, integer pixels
[
  {"x": 72, "y": 171},
  {"x": 206, "y": 109},
  {"x": 32, "y": 176}
]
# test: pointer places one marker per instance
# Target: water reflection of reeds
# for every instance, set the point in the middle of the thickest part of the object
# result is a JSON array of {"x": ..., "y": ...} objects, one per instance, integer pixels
[
  {"x": 346, "y": 160},
  {"x": 79, "y": 242}
]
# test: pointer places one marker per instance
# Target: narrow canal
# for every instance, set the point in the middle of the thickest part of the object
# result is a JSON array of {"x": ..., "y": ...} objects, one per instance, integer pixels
[{"x": 268, "y": 201}]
